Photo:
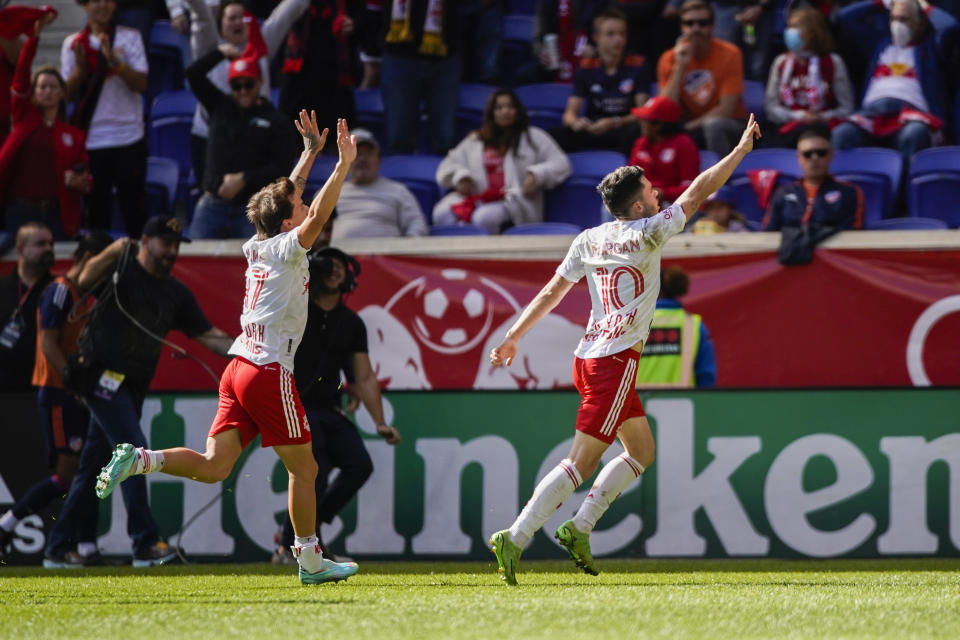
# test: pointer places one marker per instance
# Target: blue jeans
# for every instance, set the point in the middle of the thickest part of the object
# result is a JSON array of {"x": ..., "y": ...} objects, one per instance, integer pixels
[
  {"x": 111, "y": 422},
  {"x": 216, "y": 218},
  {"x": 912, "y": 137},
  {"x": 404, "y": 82},
  {"x": 727, "y": 28}
]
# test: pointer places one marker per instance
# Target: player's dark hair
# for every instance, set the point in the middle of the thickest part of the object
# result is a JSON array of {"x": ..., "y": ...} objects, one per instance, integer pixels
[
  {"x": 674, "y": 282},
  {"x": 620, "y": 189},
  {"x": 93, "y": 242},
  {"x": 270, "y": 206}
]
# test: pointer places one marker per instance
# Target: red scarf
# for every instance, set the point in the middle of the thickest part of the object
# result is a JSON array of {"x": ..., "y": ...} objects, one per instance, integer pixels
[
  {"x": 16, "y": 20},
  {"x": 93, "y": 55}
]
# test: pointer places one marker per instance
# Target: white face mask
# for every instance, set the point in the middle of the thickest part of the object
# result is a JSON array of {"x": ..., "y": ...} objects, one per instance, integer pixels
[{"x": 900, "y": 33}]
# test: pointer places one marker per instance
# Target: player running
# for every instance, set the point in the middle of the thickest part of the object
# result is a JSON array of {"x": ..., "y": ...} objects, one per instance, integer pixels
[
  {"x": 622, "y": 262},
  {"x": 257, "y": 391}
]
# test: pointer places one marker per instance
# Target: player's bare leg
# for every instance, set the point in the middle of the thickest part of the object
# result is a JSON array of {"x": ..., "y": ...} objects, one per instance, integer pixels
[{"x": 613, "y": 479}]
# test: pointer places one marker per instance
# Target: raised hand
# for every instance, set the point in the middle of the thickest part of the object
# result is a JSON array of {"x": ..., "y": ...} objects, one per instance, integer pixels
[
  {"x": 313, "y": 140},
  {"x": 346, "y": 143},
  {"x": 750, "y": 133}
]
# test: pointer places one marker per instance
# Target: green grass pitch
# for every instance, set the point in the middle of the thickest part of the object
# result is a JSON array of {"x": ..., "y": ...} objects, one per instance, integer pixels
[{"x": 905, "y": 598}]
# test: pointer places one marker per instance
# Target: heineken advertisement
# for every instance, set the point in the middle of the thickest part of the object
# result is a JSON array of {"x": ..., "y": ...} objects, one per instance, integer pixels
[{"x": 768, "y": 473}]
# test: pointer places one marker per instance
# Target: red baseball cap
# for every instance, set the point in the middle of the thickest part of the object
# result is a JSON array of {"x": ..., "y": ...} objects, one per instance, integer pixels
[
  {"x": 244, "y": 68},
  {"x": 660, "y": 109}
]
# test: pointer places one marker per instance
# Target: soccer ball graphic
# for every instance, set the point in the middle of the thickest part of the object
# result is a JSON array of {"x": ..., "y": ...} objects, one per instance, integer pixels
[{"x": 452, "y": 313}]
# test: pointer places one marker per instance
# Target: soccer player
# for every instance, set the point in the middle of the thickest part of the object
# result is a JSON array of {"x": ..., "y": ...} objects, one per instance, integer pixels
[
  {"x": 621, "y": 260},
  {"x": 257, "y": 391}
]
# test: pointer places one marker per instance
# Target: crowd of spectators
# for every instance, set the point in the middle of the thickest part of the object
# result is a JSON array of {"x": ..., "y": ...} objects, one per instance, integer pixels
[{"x": 78, "y": 143}]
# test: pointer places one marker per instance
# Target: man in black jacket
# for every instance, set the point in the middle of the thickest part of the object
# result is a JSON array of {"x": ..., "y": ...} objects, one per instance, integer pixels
[{"x": 249, "y": 145}]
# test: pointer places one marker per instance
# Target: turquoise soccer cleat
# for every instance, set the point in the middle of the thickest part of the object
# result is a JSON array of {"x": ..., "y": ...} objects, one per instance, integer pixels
[
  {"x": 508, "y": 556},
  {"x": 117, "y": 470},
  {"x": 330, "y": 572},
  {"x": 577, "y": 545}
]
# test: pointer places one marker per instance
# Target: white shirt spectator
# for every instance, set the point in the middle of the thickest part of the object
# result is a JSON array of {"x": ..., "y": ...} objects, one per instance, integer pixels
[
  {"x": 895, "y": 76},
  {"x": 118, "y": 117},
  {"x": 384, "y": 208}
]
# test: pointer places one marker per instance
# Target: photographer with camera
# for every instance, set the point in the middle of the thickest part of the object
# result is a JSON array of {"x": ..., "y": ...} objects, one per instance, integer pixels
[
  {"x": 119, "y": 351},
  {"x": 334, "y": 340}
]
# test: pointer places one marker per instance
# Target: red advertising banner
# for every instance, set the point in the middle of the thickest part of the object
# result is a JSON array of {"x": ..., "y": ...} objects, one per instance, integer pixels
[{"x": 852, "y": 318}]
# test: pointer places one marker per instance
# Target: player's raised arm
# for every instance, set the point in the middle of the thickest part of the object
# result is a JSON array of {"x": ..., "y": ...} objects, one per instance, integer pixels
[
  {"x": 714, "y": 177},
  {"x": 313, "y": 142},
  {"x": 544, "y": 302},
  {"x": 326, "y": 199}
]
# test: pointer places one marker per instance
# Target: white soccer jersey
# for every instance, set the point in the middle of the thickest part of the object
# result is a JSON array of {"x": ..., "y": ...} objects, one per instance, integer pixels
[
  {"x": 622, "y": 259},
  {"x": 274, "y": 300}
]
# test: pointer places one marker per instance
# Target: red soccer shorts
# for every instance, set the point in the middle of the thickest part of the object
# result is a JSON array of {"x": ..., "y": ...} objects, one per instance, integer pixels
[
  {"x": 608, "y": 393},
  {"x": 260, "y": 399}
]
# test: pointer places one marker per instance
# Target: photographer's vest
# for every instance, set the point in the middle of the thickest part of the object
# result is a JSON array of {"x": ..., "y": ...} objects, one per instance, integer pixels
[{"x": 670, "y": 350}]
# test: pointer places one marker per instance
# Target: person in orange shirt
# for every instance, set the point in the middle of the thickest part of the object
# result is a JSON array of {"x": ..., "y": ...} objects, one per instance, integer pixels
[
  {"x": 61, "y": 314},
  {"x": 704, "y": 75}
]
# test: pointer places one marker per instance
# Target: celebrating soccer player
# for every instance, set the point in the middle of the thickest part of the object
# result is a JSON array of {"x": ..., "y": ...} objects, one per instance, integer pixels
[
  {"x": 257, "y": 390},
  {"x": 621, "y": 260}
]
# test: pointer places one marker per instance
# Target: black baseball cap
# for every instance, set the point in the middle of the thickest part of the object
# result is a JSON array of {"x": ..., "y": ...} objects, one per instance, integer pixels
[{"x": 164, "y": 227}]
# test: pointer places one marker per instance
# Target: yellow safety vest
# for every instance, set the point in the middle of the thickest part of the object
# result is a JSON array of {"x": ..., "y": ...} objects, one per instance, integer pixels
[{"x": 670, "y": 350}]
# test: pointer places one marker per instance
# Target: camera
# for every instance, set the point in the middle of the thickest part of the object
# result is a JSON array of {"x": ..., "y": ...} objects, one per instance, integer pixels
[{"x": 321, "y": 265}]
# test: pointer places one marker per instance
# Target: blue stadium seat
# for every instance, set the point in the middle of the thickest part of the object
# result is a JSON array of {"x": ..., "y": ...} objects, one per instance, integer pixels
[
  {"x": 528, "y": 7},
  {"x": 745, "y": 197},
  {"x": 516, "y": 46},
  {"x": 753, "y": 92},
  {"x": 708, "y": 159},
  {"x": 876, "y": 171},
  {"x": 168, "y": 130},
  {"x": 319, "y": 172},
  {"x": 275, "y": 97},
  {"x": 419, "y": 174},
  {"x": 576, "y": 201},
  {"x": 900, "y": 224},
  {"x": 370, "y": 115},
  {"x": 781, "y": 159},
  {"x": 473, "y": 98},
  {"x": 933, "y": 189},
  {"x": 545, "y": 102},
  {"x": 543, "y": 229},
  {"x": 163, "y": 175},
  {"x": 458, "y": 230},
  {"x": 165, "y": 59}
]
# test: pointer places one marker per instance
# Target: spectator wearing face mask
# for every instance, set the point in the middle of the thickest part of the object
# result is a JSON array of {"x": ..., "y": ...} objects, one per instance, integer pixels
[
  {"x": 904, "y": 100},
  {"x": 808, "y": 84}
]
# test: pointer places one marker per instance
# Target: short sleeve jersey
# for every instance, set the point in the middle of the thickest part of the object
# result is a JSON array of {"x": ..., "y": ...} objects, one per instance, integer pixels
[
  {"x": 611, "y": 95},
  {"x": 61, "y": 309},
  {"x": 274, "y": 300},
  {"x": 621, "y": 260}
]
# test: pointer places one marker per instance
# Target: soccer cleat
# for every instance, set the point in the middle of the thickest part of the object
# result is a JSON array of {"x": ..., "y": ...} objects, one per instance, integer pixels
[
  {"x": 577, "y": 545},
  {"x": 156, "y": 554},
  {"x": 330, "y": 572},
  {"x": 117, "y": 470},
  {"x": 66, "y": 560},
  {"x": 6, "y": 543},
  {"x": 508, "y": 556}
]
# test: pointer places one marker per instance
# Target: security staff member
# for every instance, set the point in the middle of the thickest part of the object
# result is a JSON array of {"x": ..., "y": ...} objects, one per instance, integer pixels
[
  {"x": 335, "y": 340},
  {"x": 679, "y": 352}
]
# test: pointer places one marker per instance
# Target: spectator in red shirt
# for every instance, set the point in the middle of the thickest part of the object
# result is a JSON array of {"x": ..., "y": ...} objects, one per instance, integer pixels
[
  {"x": 43, "y": 162},
  {"x": 669, "y": 157}
]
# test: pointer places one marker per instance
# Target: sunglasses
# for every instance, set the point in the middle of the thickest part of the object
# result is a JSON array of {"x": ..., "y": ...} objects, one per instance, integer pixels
[
  {"x": 820, "y": 153},
  {"x": 706, "y": 22},
  {"x": 242, "y": 86}
]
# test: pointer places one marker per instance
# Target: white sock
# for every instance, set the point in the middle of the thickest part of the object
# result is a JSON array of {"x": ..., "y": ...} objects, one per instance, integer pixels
[
  {"x": 148, "y": 461},
  {"x": 555, "y": 487},
  {"x": 615, "y": 476},
  {"x": 86, "y": 549},
  {"x": 307, "y": 552},
  {"x": 8, "y": 521}
]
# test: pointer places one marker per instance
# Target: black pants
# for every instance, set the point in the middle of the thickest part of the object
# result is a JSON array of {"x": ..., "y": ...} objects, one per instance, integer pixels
[
  {"x": 336, "y": 444},
  {"x": 126, "y": 169},
  {"x": 614, "y": 140}
]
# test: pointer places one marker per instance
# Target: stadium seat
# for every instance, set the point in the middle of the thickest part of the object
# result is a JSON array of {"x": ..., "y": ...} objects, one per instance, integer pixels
[
  {"x": 576, "y": 201},
  {"x": 171, "y": 118},
  {"x": 528, "y": 7},
  {"x": 780, "y": 159},
  {"x": 163, "y": 175},
  {"x": 545, "y": 102},
  {"x": 319, "y": 172},
  {"x": 876, "y": 171},
  {"x": 933, "y": 189},
  {"x": 473, "y": 98},
  {"x": 900, "y": 224},
  {"x": 165, "y": 60},
  {"x": 458, "y": 230},
  {"x": 275, "y": 97},
  {"x": 516, "y": 46},
  {"x": 370, "y": 116},
  {"x": 419, "y": 174},
  {"x": 708, "y": 159},
  {"x": 543, "y": 229},
  {"x": 753, "y": 93}
]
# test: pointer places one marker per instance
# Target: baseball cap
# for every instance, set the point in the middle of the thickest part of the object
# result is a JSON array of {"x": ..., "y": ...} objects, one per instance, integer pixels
[
  {"x": 365, "y": 137},
  {"x": 659, "y": 108},
  {"x": 164, "y": 227},
  {"x": 244, "y": 68}
]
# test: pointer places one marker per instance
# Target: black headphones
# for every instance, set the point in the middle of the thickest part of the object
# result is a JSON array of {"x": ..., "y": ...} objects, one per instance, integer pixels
[{"x": 321, "y": 265}]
